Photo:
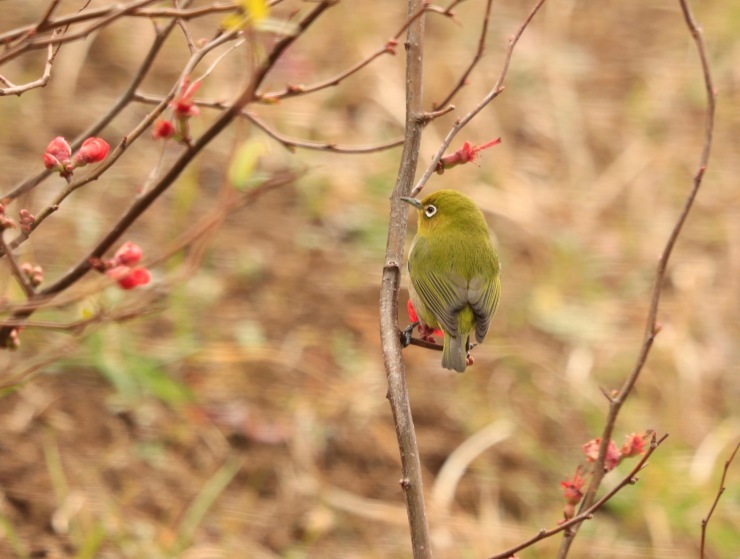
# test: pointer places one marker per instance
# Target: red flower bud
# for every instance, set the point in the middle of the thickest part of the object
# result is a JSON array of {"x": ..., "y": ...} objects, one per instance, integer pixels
[
  {"x": 128, "y": 255},
  {"x": 128, "y": 277},
  {"x": 572, "y": 488},
  {"x": 467, "y": 153},
  {"x": 93, "y": 150},
  {"x": 183, "y": 104},
  {"x": 163, "y": 129}
]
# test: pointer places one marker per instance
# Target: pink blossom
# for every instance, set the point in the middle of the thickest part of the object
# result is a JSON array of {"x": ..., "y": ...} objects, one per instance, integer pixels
[{"x": 613, "y": 456}]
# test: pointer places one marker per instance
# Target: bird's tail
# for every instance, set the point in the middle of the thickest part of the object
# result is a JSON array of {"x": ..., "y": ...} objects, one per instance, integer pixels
[{"x": 455, "y": 353}]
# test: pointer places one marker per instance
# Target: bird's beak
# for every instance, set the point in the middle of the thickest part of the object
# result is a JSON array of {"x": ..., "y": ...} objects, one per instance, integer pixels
[{"x": 413, "y": 201}]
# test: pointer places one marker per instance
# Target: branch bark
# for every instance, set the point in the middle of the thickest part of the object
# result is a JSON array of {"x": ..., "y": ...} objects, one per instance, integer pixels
[{"x": 411, "y": 481}]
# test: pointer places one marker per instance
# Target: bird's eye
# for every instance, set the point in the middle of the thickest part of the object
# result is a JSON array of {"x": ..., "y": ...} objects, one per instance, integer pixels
[{"x": 430, "y": 210}]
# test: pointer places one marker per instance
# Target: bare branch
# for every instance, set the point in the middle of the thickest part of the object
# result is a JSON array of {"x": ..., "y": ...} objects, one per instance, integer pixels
[
  {"x": 15, "y": 269},
  {"x": 720, "y": 491},
  {"x": 411, "y": 481},
  {"x": 288, "y": 142},
  {"x": 42, "y": 42},
  {"x": 493, "y": 93},
  {"x": 652, "y": 326},
  {"x": 478, "y": 55},
  {"x": 144, "y": 201},
  {"x": 102, "y": 122},
  {"x": 588, "y": 513}
]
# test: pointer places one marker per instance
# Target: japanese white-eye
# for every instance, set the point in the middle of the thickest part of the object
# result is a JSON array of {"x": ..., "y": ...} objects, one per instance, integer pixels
[{"x": 455, "y": 272}]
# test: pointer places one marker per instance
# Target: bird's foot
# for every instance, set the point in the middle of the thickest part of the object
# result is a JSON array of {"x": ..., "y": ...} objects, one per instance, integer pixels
[{"x": 407, "y": 332}]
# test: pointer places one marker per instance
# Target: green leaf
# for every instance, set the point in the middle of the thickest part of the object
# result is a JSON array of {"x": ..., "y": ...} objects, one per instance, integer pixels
[{"x": 241, "y": 168}]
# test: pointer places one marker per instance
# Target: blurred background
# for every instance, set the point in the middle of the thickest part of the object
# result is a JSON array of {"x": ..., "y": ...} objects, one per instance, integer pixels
[{"x": 243, "y": 412}]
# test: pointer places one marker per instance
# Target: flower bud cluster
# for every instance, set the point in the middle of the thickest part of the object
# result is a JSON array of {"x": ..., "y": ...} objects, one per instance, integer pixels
[
  {"x": 122, "y": 267},
  {"x": 58, "y": 155}
]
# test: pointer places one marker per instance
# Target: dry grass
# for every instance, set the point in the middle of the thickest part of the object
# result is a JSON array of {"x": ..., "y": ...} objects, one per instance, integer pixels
[{"x": 248, "y": 418}]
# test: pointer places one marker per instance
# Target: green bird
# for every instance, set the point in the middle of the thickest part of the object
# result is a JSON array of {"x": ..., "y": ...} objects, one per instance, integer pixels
[{"x": 455, "y": 272}]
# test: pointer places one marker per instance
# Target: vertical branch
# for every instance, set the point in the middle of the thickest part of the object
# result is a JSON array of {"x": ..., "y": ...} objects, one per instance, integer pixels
[
  {"x": 652, "y": 327},
  {"x": 398, "y": 397}
]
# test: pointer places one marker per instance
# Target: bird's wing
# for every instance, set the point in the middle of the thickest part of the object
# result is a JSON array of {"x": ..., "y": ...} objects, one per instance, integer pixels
[
  {"x": 444, "y": 294},
  {"x": 483, "y": 294}
]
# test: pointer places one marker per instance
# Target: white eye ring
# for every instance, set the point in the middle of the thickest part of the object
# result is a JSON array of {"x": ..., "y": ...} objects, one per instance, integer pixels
[{"x": 430, "y": 210}]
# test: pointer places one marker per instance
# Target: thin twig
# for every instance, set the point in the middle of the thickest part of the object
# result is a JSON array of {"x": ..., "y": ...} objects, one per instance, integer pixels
[
  {"x": 145, "y": 200},
  {"x": 123, "y": 145},
  {"x": 293, "y": 90},
  {"x": 588, "y": 513},
  {"x": 288, "y": 142},
  {"x": 42, "y": 42},
  {"x": 720, "y": 491},
  {"x": 652, "y": 327},
  {"x": 41, "y": 82},
  {"x": 15, "y": 269},
  {"x": 122, "y": 102},
  {"x": 498, "y": 87},
  {"x": 478, "y": 55},
  {"x": 88, "y": 15}
]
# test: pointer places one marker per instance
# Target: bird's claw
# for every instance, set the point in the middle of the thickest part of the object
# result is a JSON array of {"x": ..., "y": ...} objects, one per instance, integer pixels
[{"x": 407, "y": 332}]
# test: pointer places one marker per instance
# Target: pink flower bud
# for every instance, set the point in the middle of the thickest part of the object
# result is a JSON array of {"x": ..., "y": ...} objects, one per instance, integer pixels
[
  {"x": 93, "y": 150},
  {"x": 57, "y": 154},
  {"x": 128, "y": 255}
]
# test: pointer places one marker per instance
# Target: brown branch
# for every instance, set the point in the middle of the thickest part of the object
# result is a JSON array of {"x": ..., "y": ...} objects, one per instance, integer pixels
[
  {"x": 145, "y": 200},
  {"x": 652, "y": 327},
  {"x": 297, "y": 90},
  {"x": 13, "y": 89},
  {"x": 478, "y": 55},
  {"x": 102, "y": 122},
  {"x": 720, "y": 491},
  {"x": 398, "y": 397},
  {"x": 293, "y": 90},
  {"x": 41, "y": 42},
  {"x": 88, "y": 15},
  {"x": 288, "y": 142},
  {"x": 492, "y": 94},
  {"x": 15, "y": 269},
  {"x": 588, "y": 513},
  {"x": 124, "y": 144}
]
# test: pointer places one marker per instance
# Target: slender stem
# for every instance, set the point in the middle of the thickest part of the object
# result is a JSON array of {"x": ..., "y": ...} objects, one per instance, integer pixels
[
  {"x": 478, "y": 55},
  {"x": 587, "y": 514},
  {"x": 720, "y": 491},
  {"x": 15, "y": 269},
  {"x": 652, "y": 326},
  {"x": 95, "y": 129},
  {"x": 498, "y": 87},
  {"x": 142, "y": 203}
]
